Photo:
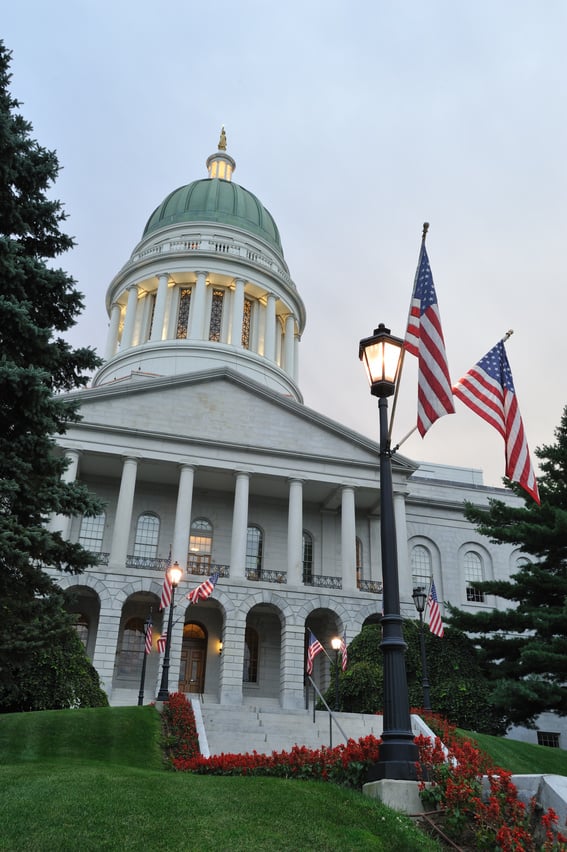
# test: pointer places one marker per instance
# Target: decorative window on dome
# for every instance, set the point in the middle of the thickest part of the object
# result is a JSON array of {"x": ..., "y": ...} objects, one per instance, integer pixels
[
  {"x": 247, "y": 315},
  {"x": 216, "y": 316},
  {"x": 183, "y": 313}
]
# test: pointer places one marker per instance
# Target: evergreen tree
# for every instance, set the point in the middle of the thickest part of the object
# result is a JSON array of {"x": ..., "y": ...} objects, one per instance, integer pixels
[
  {"x": 458, "y": 688},
  {"x": 38, "y": 302},
  {"x": 524, "y": 647}
]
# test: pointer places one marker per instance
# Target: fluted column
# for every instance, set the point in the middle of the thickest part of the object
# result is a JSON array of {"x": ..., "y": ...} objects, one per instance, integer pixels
[
  {"x": 112, "y": 338},
  {"x": 237, "y": 313},
  {"x": 198, "y": 305},
  {"x": 62, "y": 523},
  {"x": 348, "y": 538},
  {"x": 295, "y": 533},
  {"x": 404, "y": 570},
  {"x": 130, "y": 319},
  {"x": 159, "y": 309},
  {"x": 123, "y": 518},
  {"x": 289, "y": 344},
  {"x": 239, "y": 525},
  {"x": 270, "y": 331},
  {"x": 182, "y": 528}
]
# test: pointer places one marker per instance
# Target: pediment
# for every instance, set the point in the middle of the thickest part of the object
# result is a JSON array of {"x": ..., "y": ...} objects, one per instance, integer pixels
[{"x": 222, "y": 407}]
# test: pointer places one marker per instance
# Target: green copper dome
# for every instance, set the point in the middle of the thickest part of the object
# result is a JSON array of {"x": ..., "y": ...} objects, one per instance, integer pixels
[{"x": 216, "y": 200}]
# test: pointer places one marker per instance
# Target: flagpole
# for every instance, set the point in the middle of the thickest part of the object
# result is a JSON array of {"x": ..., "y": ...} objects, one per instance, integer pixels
[{"x": 395, "y": 399}]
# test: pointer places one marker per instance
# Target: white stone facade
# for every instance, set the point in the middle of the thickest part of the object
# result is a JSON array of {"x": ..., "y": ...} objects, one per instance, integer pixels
[{"x": 195, "y": 436}]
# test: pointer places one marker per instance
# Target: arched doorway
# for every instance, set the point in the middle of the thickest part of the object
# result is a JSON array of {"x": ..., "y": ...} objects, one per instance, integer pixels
[{"x": 193, "y": 659}]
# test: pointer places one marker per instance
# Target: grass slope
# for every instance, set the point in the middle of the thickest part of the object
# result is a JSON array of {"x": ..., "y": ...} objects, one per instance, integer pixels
[
  {"x": 521, "y": 758},
  {"x": 94, "y": 780}
]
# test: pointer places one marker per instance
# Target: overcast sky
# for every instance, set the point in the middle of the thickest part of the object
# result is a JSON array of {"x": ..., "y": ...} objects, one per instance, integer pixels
[{"x": 354, "y": 122}]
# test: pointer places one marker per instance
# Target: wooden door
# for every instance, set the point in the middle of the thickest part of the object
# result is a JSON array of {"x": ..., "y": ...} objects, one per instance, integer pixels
[{"x": 192, "y": 668}]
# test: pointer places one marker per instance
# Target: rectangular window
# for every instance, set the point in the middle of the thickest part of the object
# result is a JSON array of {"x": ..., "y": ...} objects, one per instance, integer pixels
[
  {"x": 215, "y": 327},
  {"x": 548, "y": 738},
  {"x": 183, "y": 313},
  {"x": 246, "y": 324}
]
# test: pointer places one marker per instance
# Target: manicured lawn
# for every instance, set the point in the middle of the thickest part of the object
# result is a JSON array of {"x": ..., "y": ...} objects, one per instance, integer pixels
[
  {"x": 93, "y": 780},
  {"x": 521, "y": 758}
]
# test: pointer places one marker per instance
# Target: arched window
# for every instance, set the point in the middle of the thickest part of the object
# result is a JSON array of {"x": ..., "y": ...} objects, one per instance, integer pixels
[
  {"x": 131, "y": 649},
  {"x": 82, "y": 627},
  {"x": 359, "y": 553},
  {"x": 200, "y": 546},
  {"x": 147, "y": 535},
  {"x": 421, "y": 566},
  {"x": 92, "y": 532},
  {"x": 250, "y": 672},
  {"x": 254, "y": 550},
  {"x": 307, "y": 557},
  {"x": 474, "y": 573}
]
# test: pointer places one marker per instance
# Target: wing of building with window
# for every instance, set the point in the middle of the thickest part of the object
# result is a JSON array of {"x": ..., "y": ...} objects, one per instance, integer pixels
[{"x": 195, "y": 435}]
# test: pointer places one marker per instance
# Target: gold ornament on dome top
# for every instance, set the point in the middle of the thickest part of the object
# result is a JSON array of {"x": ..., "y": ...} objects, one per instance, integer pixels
[{"x": 222, "y": 140}]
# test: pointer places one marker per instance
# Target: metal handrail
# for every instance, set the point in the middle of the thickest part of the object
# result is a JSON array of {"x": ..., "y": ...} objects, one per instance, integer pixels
[{"x": 329, "y": 711}]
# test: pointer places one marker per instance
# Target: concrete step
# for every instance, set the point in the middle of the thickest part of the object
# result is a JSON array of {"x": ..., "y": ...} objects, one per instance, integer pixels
[{"x": 248, "y": 728}]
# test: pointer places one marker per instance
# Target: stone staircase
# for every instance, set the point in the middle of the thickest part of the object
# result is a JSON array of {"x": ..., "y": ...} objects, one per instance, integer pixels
[{"x": 265, "y": 727}]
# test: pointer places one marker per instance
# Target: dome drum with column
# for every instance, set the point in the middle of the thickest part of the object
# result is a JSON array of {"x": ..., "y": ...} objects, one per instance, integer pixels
[{"x": 209, "y": 281}]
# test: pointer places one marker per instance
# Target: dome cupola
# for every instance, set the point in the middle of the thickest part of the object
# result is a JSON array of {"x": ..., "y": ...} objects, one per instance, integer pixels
[{"x": 206, "y": 287}]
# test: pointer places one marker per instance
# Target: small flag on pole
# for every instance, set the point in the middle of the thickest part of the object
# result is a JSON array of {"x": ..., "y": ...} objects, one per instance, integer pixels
[
  {"x": 149, "y": 634},
  {"x": 166, "y": 591},
  {"x": 435, "y": 622},
  {"x": 161, "y": 643},
  {"x": 313, "y": 649},
  {"x": 424, "y": 339},
  {"x": 204, "y": 591},
  {"x": 344, "y": 652},
  {"x": 488, "y": 389}
]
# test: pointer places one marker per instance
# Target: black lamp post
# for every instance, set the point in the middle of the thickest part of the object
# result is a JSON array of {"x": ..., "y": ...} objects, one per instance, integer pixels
[
  {"x": 174, "y": 572},
  {"x": 419, "y": 598},
  {"x": 336, "y": 646},
  {"x": 381, "y": 354}
]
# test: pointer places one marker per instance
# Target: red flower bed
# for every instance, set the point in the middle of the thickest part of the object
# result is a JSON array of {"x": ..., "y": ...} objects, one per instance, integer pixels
[{"x": 495, "y": 819}]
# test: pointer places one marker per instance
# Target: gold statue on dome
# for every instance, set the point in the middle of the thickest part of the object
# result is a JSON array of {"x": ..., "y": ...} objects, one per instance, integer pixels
[{"x": 222, "y": 140}]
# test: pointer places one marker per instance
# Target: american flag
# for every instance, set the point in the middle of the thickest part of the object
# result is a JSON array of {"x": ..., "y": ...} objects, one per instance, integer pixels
[
  {"x": 204, "y": 591},
  {"x": 148, "y": 638},
  {"x": 166, "y": 591},
  {"x": 313, "y": 649},
  {"x": 488, "y": 389},
  {"x": 435, "y": 623},
  {"x": 161, "y": 643},
  {"x": 344, "y": 652},
  {"x": 424, "y": 339}
]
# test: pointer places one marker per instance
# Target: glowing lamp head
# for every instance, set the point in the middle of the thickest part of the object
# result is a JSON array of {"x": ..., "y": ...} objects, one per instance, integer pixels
[
  {"x": 419, "y": 598},
  {"x": 175, "y": 573},
  {"x": 381, "y": 354}
]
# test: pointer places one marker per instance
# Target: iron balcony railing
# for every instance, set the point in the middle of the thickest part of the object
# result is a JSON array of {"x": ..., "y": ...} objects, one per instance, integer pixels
[
  {"x": 266, "y": 576},
  {"x": 157, "y": 562},
  {"x": 205, "y": 569},
  {"x": 374, "y": 586},
  {"x": 322, "y": 582}
]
